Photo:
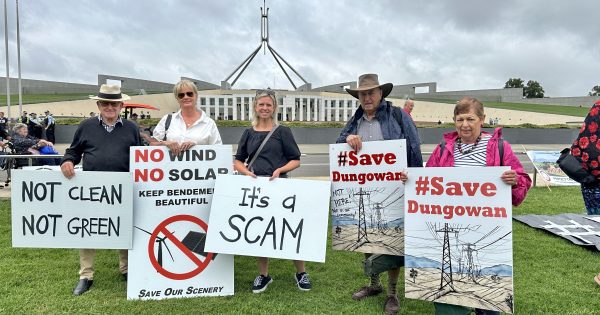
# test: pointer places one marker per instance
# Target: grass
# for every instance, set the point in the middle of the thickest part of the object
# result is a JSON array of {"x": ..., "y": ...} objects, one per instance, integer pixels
[
  {"x": 552, "y": 276},
  {"x": 43, "y": 98},
  {"x": 536, "y": 108}
]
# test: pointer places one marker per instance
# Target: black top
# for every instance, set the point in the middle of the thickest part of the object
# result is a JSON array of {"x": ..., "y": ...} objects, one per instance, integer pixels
[
  {"x": 277, "y": 152},
  {"x": 103, "y": 150}
]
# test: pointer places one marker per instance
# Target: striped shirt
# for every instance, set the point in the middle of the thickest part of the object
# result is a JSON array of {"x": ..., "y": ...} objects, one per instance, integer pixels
[
  {"x": 477, "y": 157},
  {"x": 369, "y": 130}
]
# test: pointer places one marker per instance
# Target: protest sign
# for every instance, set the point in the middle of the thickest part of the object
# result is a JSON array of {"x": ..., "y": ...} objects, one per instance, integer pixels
[
  {"x": 172, "y": 197},
  {"x": 367, "y": 197},
  {"x": 91, "y": 210},
  {"x": 458, "y": 237},
  {"x": 282, "y": 218},
  {"x": 545, "y": 164}
]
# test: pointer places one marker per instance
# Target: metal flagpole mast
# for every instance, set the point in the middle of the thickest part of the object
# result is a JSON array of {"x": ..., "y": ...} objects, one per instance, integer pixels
[
  {"x": 19, "y": 62},
  {"x": 7, "y": 71}
]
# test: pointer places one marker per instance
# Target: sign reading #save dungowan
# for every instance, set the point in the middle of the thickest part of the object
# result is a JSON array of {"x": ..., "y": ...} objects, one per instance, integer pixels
[
  {"x": 282, "y": 218},
  {"x": 91, "y": 210}
]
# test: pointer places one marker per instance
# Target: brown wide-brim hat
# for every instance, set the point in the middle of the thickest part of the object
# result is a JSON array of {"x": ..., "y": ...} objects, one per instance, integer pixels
[
  {"x": 370, "y": 81},
  {"x": 110, "y": 93}
]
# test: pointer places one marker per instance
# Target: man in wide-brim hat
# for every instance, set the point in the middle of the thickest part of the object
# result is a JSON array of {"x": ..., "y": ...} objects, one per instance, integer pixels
[
  {"x": 376, "y": 120},
  {"x": 105, "y": 141}
]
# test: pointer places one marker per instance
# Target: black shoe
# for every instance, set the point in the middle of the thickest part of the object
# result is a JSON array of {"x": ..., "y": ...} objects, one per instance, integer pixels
[
  {"x": 303, "y": 282},
  {"x": 82, "y": 286},
  {"x": 124, "y": 275},
  {"x": 260, "y": 283}
]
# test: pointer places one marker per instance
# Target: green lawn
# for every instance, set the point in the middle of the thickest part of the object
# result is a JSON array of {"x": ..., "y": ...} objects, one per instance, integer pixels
[
  {"x": 551, "y": 277},
  {"x": 43, "y": 98},
  {"x": 537, "y": 108}
]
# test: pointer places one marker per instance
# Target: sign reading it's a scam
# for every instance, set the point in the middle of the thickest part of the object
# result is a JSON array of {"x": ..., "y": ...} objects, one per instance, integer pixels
[
  {"x": 91, "y": 210},
  {"x": 282, "y": 218}
]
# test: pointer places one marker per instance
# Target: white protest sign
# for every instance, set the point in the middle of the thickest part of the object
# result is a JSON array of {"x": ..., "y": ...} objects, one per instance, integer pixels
[
  {"x": 282, "y": 218},
  {"x": 91, "y": 210},
  {"x": 458, "y": 237},
  {"x": 545, "y": 164},
  {"x": 172, "y": 197},
  {"x": 367, "y": 197}
]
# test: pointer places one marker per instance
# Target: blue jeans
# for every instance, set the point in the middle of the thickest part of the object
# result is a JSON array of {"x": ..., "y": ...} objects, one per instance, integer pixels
[{"x": 591, "y": 198}]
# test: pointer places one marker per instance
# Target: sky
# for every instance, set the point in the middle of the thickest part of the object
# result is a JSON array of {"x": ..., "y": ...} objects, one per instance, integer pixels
[{"x": 461, "y": 45}]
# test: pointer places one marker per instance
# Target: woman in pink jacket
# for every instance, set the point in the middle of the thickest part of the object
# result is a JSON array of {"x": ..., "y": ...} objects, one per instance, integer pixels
[{"x": 470, "y": 146}]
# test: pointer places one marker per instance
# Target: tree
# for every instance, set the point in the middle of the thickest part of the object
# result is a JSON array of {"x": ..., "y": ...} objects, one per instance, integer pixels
[
  {"x": 595, "y": 91},
  {"x": 533, "y": 90},
  {"x": 413, "y": 274},
  {"x": 514, "y": 83}
]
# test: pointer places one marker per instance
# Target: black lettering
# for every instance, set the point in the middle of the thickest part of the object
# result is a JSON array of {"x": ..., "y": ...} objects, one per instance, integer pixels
[
  {"x": 292, "y": 206},
  {"x": 233, "y": 226},
  {"x": 246, "y": 230},
  {"x": 297, "y": 232},
  {"x": 272, "y": 233}
]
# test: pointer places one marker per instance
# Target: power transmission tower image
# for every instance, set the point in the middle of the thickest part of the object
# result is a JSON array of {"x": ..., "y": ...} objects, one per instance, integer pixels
[
  {"x": 362, "y": 222},
  {"x": 446, "y": 278}
]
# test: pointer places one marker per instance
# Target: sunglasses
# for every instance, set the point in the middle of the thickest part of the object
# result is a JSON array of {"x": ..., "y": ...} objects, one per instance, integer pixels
[
  {"x": 182, "y": 95},
  {"x": 111, "y": 104},
  {"x": 265, "y": 92}
]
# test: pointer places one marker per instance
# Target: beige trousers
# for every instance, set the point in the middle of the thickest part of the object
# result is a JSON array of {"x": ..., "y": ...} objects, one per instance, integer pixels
[{"x": 86, "y": 262}]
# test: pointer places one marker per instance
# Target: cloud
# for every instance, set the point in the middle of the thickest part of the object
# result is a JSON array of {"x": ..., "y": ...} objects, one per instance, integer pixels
[{"x": 464, "y": 44}]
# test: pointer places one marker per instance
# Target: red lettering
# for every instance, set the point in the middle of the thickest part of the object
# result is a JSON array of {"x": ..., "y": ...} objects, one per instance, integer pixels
[
  {"x": 438, "y": 189},
  {"x": 154, "y": 175},
  {"x": 156, "y": 155},
  {"x": 413, "y": 206},
  {"x": 353, "y": 160},
  {"x": 336, "y": 176},
  {"x": 390, "y": 158},
  {"x": 471, "y": 188},
  {"x": 488, "y": 189}
]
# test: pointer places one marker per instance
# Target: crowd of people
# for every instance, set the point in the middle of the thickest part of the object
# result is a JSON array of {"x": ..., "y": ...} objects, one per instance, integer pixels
[{"x": 270, "y": 150}]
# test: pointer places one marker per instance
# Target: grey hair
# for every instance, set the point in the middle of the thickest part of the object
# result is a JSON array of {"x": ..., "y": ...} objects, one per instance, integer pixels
[{"x": 18, "y": 126}]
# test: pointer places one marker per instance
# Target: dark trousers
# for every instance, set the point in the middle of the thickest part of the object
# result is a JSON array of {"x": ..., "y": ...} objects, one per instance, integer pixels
[{"x": 50, "y": 135}]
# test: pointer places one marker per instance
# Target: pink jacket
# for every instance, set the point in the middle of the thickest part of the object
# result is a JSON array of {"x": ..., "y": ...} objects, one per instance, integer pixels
[{"x": 492, "y": 159}]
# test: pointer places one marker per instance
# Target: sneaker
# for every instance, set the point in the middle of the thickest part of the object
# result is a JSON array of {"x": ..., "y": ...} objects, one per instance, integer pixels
[
  {"x": 367, "y": 291},
  {"x": 303, "y": 282},
  {"x": 260, "y": 283}
]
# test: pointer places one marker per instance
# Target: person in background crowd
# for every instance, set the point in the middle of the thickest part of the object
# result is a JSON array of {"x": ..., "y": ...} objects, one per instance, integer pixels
[
  {"x": 469, "y": 146},
  {"x": 49, "y": 126},
  {"x": 35, "y": 126},
  {"x": 279, "y": 155},
  {"x": 187, "y": 127},
  {"x": 104, "y": 141},
  {"x": 586, "y": 148},
  {"x": 3, "y": 126},
  {"x": 92, "y": 114},
  {"x": 23, "y": 142},
  {"x": 409, "y": 105},
  {"x": 376, "y": 120}
]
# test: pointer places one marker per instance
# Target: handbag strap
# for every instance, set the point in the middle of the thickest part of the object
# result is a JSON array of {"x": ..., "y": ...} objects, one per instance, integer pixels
[{"x": 261, "y": 146}]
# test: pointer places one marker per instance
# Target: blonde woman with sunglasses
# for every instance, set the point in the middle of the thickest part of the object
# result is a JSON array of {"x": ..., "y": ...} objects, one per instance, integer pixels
[{"x": 189, "y": 126}]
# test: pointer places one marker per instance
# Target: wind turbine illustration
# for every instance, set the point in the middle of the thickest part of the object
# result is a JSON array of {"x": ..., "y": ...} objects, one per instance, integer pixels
[{"x": 160, "y": 242}]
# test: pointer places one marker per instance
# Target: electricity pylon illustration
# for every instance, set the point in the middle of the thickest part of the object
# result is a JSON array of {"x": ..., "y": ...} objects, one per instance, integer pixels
[
  {"x": 362, "y": 222},
  {"x": 446, "y": 278}
]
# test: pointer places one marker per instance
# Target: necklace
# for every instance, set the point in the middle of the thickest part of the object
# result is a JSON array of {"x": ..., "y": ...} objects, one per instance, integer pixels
[{"x": 460, "y": 149}]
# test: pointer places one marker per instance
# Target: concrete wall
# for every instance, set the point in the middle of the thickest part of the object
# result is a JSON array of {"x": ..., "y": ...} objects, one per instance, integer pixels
[
  {"x": 336, "y": 88},
  {"x": 45, "y": 87},
  {"x": 402, "y": 91},
  {"x": 584, "y": 101},
  {"x": 203, "y": 85},
  {"x": 493, "y": 95},
  {"x": 134, "y": 86}
]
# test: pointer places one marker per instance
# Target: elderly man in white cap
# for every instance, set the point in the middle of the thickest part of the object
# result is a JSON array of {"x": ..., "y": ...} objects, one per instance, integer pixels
[
  {"x": 105, "y": 142},
  {"x": 376, "y": 120}
]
